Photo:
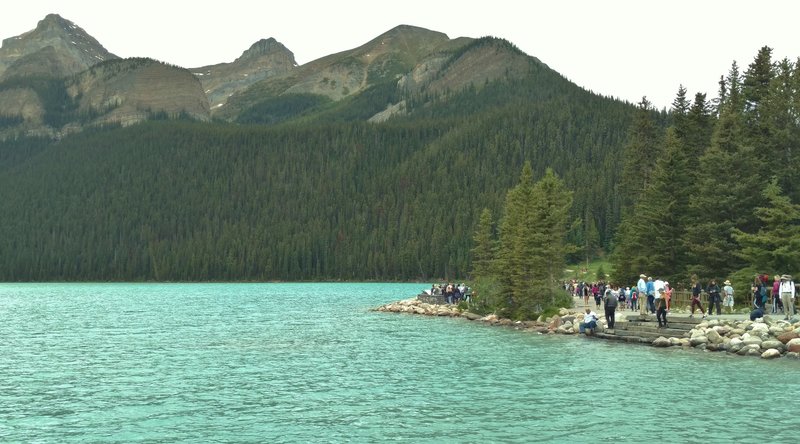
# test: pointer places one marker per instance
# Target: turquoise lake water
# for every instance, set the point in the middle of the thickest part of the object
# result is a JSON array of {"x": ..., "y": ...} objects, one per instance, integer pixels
[{"x": 297, "y": 363}]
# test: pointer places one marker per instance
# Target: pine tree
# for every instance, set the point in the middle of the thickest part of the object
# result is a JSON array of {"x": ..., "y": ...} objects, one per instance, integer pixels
[
  {"x": 639, "y": 154},
  {"x": 723, "y": 199},
  {"x": 552, "y": 203},
  {"x": 517, "y": 243},
  {"x": 484, "y": 246},
  {"x": 532, "y": 247},
  {"x": 649, "y": 237},
  {"x": 776, "y": 245}
]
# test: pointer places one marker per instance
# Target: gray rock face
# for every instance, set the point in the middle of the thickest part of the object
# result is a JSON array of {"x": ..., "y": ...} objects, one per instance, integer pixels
[
  {"x": 662, "y": 342},
  {"x": 264, "y": 59},
  {"x": 56, "y": 44}
]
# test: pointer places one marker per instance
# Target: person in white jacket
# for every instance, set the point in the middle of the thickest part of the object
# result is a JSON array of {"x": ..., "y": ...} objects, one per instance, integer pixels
[{"x": 787, "y": 295}]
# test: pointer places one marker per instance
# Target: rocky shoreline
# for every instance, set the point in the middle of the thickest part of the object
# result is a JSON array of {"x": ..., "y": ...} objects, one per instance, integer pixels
[{"x": 766, "y": 338}]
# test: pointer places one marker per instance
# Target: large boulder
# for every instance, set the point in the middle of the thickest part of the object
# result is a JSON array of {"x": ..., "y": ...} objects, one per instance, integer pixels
[
  {"x": 661, "y": 342},
  {"x": 760, "y": 329},
  {"x": 771, "y": 354},
  {"x": 773, "y": 343},
  {"x": 735, "y": 345},
  {"x": 787, "y": 336},
  {"x": 793, "y": 345},
  {"x": 751, "y": 340},
  {"x": 750, "y": 350},
  {"x": 714, "y": 337},
  {"x": 698, "y": 340}
]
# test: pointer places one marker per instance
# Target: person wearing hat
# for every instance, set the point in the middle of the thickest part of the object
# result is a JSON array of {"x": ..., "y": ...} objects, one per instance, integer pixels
[
  {"x": 787, "y": 295},
  {"x": 728, "y": 290},
  {"x": 641, "y": 291}
]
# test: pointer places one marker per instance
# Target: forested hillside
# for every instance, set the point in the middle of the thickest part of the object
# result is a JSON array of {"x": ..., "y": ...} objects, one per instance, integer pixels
[
  {"x": 716, "y": 195},
  {"x": 312, "y": 198}
]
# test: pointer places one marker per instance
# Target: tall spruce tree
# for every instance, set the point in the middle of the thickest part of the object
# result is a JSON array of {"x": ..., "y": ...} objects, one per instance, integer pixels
[
  {"x": 780, "y": 119},
  {"x": 532, "y": 245},
  {"x": 723, "y": 199},
  {"x": 649, "y": 237},
  {"x": 484, "y": 246},
  {"x": 517, "y": 244},
  {"x": 639, "y": 154},
  {"x": 776, "y": 245},
  {"x": 551, "y": 206}
]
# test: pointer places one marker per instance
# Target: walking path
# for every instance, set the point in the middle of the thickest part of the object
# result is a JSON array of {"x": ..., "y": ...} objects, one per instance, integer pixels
[{"x": 623, "y": 312}]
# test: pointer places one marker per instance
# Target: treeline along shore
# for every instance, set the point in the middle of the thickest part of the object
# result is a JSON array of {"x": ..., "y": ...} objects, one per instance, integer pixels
[{"x": 763, "y": 337}]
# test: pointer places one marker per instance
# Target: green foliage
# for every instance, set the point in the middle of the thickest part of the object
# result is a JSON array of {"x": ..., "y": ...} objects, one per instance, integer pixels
[
  {"x": 320, "y": 196},
  {"x": 484, "y": 246},
  {"x": 601, "y": 274},
  {"x": 707, "y": 216},
  {"x": 60, "y": 108},
  {"x": 531, "y": 250},
  {"x": 10, "y": 121},
  {"x": 775, "y": 247},
  {"x": 279, "y": 109}
]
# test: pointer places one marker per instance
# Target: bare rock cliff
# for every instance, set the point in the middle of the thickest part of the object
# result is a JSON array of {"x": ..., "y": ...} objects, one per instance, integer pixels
[{"x": 57, "y": 45}]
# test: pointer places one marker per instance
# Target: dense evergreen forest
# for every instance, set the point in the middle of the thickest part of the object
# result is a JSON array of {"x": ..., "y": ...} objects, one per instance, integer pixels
[
  {"x": 716, "y": 194},
  {"x": 320, "y": 198}
]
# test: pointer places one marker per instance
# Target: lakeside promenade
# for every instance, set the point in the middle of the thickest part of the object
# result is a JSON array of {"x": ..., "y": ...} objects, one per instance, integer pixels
[{"x": 768, "y": 337}]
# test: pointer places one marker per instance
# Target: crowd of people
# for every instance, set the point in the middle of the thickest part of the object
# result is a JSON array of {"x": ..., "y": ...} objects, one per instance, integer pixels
[
  {"x": 453, "y": 294},
  {"x": 654, "y": 296}
]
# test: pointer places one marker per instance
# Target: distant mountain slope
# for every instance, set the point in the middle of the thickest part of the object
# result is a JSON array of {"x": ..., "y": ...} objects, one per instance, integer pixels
[
  {"x": 264, "y": 59},
  {"x": 131, "y": 90},
  {"x": 56, "y": 48},
  {"x": 388, "y": 57}
]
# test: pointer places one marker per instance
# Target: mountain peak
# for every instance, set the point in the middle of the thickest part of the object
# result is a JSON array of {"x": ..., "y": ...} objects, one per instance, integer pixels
[
  {"x": 265, "y": 47},
  {"x": 54, "y": 21},
  {"x": 74, "y": 49}
]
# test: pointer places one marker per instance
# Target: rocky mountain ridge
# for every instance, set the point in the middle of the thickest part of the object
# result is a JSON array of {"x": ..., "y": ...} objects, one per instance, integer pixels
[
  {"x": 57, "y": 79},
  {"x": 56, "y": 47}
]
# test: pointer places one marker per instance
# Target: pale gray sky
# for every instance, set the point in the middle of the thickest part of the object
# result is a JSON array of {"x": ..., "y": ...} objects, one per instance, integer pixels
[{"x": 619, "y": 48}]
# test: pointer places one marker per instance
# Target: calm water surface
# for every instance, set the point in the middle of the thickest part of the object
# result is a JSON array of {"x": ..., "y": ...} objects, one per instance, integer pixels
[{"x": 122, "y": 363}]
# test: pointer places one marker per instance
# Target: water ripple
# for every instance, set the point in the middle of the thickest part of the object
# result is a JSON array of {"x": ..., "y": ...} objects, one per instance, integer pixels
[{"x": 119, "y": 363}]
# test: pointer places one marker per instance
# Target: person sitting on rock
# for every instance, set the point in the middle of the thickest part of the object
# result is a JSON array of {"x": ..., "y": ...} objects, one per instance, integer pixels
[
  {"x": 757, "y": 313},
  {"x": 589, "y": 321}
]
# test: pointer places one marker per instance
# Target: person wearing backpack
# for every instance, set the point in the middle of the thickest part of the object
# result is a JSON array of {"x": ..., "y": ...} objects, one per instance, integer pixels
[{"x": 610, "y": 300}]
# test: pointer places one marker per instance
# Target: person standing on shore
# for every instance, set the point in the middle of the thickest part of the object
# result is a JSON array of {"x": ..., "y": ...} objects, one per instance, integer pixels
[
  {"x": 610, "y": 300},
  {"x": 667, "y": 294},
  {"x": 696, "y": 290},
  {"x": 641, "y": 292},
  {"x": 787, "y": 295},
  {"x": 728, "y": 290},
  {"x": 776, "y": 295},
  {"x": 661, "y": 312},
  {"x": 714, "y": 298},
  {"x": 759, "y": 293},
  {"x": 651, "y": 295},
  {"x": 658, "y": 293}
]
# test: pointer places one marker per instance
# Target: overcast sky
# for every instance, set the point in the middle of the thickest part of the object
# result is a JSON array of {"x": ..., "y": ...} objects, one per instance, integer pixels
[{"x": 621, "y": 48}]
